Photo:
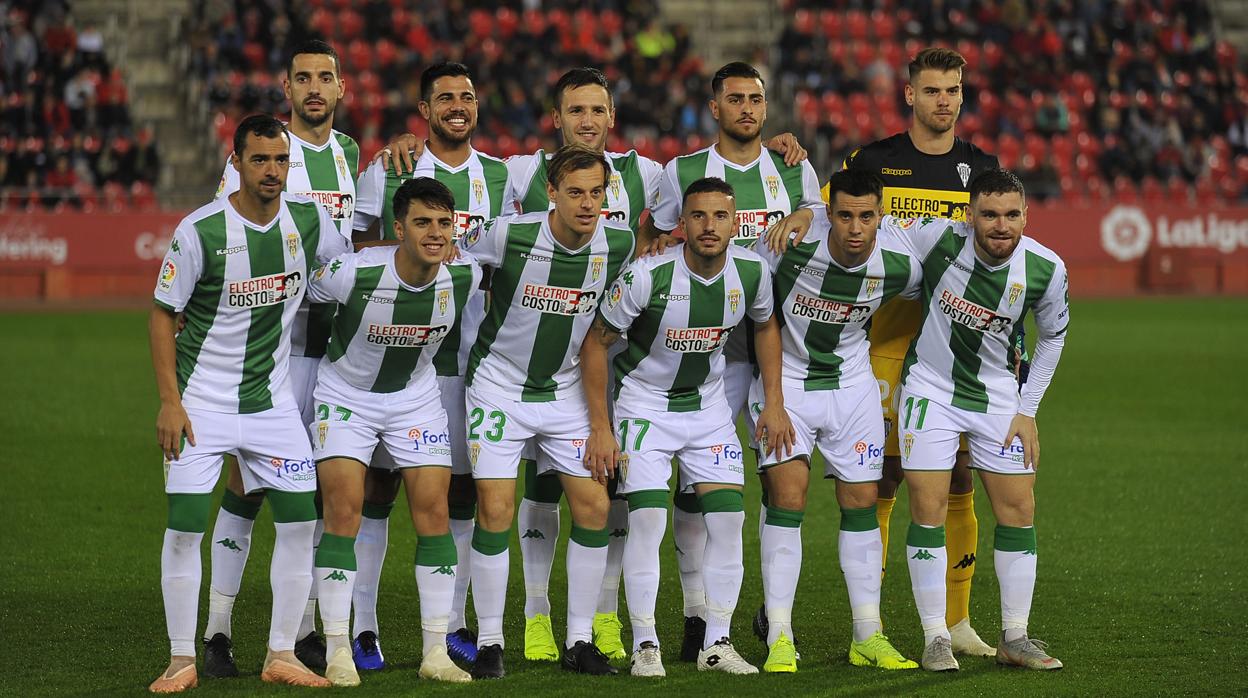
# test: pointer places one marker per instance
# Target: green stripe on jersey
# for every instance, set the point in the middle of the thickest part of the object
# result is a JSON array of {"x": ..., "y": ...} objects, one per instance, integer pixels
[
  {"x": 691, "y": 168},
  {"x": 495, "y": 183},
  {"x": 201, "y": 310},
  {"x": 457, "y": 182},
  {"x": 320, "y": 315},
  {"x": 635, "y": 189},
  {"x": 935, "y": 264},
  {"x": 398, "y": 363},
  {"x": 503, "y": 285},
  {"x": 266, "y": 255},
  {"x": 791, "y": 176},
  {"x": 646, "y": 327},
  {"x": 1039, "y": 276},
  {"x": 824, "y": 371},
  {"x": 896, "y": 273},
  {"x": 350, "y": 151},
  {"x": 321, "y": 169},
  {"x": 351, "y": 314},
  {"x": 706, "y": 309},
  {"x": 535, "y": 198},
  {"x": 567, "y": 270},
  {"x": 984, "y": 288},
  {"x": 446, "y": 361}
]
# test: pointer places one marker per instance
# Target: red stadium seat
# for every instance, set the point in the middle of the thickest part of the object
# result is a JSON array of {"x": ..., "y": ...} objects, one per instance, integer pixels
[
  {"x": 830, "y": 24},
  {"x": 1125, "y": 191},
  {"x": 507, "y": 21},
  {"x": 1151, "y": 191},
  {"x": 360, "y": 55},
  {"x": 142, "y": 198},
  {"x": 856, "y": 23},
  {"x": 480, "y": 24},
  {"x": 804, "y": 22},
  {"x": 884, "y": 25},
  {"x": 534, "y": 22},
  {"x": 1177, "y": 191}
]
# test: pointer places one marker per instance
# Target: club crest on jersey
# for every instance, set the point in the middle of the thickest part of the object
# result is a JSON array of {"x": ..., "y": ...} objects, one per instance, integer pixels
[
  {"x": 734, "y": 299},
  {"x": 167, "y": 274},
  {"x": 595, "y": 266},
  {"x": 342, "y": 164},
  {"x": 322, "y": 430},
  {"x": 444, "y": 299},
  {"x": 292, "y": 244},
  {"x": 478, "y": 189},
  {"x": 614, "y": 183},
  {"x": 907, "y": 444},
  {"x": 872, "y": 285},
  {"x": 1016, "y": 290},
  {"x": 964, "y": 172},
  {"x": 474, "y": 451},
  {"x": 773, "y": 185},
  {"x": 972, "y": 315}
]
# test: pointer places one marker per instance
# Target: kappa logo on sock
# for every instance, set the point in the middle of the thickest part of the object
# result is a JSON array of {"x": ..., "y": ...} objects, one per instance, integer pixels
[
  {"x": 444, "y": 569},
  {"x": 336, "y": 576},
  {"x": 533, "y": 533},
  {"x": 229, "y": 545},
  {"x": 923, "y": 555},
  {"x": 965, "y": 562},
  {"x": 620, "y": 533}
]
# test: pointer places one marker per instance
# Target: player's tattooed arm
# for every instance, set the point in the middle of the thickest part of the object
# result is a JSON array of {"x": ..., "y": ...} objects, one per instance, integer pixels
[
  {"x": 402, "y": 152},
  {"x": 774, "y": 430},
  {"x": 794, "y": 225},
  {"x": 786, "y": 144},
  {"x": 172, "y": 421},
  {"x": 601, "y": 451}
]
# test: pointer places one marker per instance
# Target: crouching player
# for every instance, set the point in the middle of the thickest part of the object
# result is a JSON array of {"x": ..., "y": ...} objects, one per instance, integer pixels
[
  {"x": 828, "y": 286},
  {"x": 377, "y": 385},
  {"x": 678, "y": 309}
]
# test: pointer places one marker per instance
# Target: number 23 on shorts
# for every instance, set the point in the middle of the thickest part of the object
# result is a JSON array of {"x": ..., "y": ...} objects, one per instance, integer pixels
[{"x": 498, "y": 422}]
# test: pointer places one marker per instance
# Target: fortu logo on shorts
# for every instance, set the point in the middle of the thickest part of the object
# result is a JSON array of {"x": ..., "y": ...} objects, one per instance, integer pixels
[
  {"x": 869, "y": 454},
  {"x": 296, "y": 470},
  {"x": 579, "y": 445},
  {"x": 727, "y": 454}
]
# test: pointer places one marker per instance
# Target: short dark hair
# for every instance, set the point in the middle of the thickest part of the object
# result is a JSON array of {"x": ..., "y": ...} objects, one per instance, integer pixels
[
  {"x": 735, "y": 69},
  {"x": 580, "y": 77},
  {"x": 263, "y": 125},
  {"x": 573, "y": 157},
  {"x": 707, "y": 185},
  {"x": 996, "y": 181},
  {"x": 440, "y": 70},
  {"x": 936, "y": 58},
  {"x": 313, "y": 46},
  {"x": 427, "y": 191},
  {"x": 855, "y": 183}
]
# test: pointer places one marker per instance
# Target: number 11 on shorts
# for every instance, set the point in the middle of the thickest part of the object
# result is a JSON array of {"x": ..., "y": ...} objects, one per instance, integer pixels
[{"x": 911, "y": 403}]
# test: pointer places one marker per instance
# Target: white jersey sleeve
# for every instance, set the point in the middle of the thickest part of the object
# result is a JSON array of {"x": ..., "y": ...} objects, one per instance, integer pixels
[
  {"x": 369, "y": 192},
  {"x": 628, "y": 297},
  {"x": 229, "y": 180},
  {"x": 1052, "y": 313},
  {"x": 332, "y": 282},
  {"x": 332, "y": 241},
  {"x": 487, "y": 242},
  {"x": 519, "y": 173},
  {"x": 763, "y": 305},
  {"x": 890, "y": 238},
  {"x": 181, "y": 269},
  {"x": 665, "y": 213},
  {"x": 651, "y": 175},
  {"x": 811, "y": 196}
]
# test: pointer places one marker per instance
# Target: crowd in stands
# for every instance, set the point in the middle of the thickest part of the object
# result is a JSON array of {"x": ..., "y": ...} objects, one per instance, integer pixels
[
  {"x": 66, "y": 135},
  {"x": 1085, "y": 99}
]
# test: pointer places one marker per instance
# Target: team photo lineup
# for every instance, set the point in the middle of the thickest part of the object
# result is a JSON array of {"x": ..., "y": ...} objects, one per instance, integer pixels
[{"x": 605, "y": 330}]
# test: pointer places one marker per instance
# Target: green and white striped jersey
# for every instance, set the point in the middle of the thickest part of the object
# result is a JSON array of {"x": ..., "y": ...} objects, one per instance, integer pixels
[
  {"x": 963, "y": 354},
  {"x": 824, "y": 307},
  {"x": 632, "y": 187},
  {"x": 325, "y": 174},
  {"x": 677, "y": 325},
  {"x": 240, "y": 286},
  {"x": 478, "y": 185},
  {"x": 386, "y": 333},
  {"x": 543, "y": 299}
]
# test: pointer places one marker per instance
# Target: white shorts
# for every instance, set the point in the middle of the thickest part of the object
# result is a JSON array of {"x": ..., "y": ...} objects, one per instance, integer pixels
[
  {"x": 350, "y": 423},
  {"x": 846, "y": 425},
  {"x": 930, "y": 432},
  {"x": 704, "y": 443},
  {"x": 737, "y": 380},
  {"x": 498, "y": 429},
  {"x": 452, "y": 390},
  {"x": 302, "y": 384},
  {"x": 271, "y": 446}
]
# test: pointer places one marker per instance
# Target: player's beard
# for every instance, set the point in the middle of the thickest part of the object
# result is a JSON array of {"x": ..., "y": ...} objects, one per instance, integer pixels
[
  {"x": 930, "y": 123},
  {"x": 739, "y": 133},
  {"x": 454, "y": 139},
  {"x": 315, "y": 121}
]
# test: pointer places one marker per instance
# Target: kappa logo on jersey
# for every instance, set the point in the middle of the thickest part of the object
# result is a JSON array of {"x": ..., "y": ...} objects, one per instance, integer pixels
[
  {"x": 465, "y": 222},
  {"x": 895, "y": 172},
  {"x": 869, "y": 455},
  {"x": 231, "y": 250},
  {"x": 292, "y": 244},
  {"x": 406, "y": 335},
  {"x": 175, "y": 246},
  {"x": 296, "y": 470},
  {"x": 558, "y": 300},
  {"x": 264, "y": 290},
  {"x": 972, "y": 315},
  {"x": 168, "y": 273},
  {"x": 696, "y": 340},
  {"x": 1016, "y": 290},
  {"x": 829, "y": 311},
  {"x": 729, "y": 455},
  {"x": 444, "y": 300},
  {"x": 754, "y": 222},
  {"x": 336, "y": 203}
]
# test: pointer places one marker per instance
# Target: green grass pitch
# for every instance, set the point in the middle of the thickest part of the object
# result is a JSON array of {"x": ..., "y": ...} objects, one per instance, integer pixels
[{"x": 1142, "y": 497}]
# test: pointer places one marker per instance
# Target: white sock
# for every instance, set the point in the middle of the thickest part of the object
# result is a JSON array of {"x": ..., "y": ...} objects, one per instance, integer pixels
[
  {"x": 586, "y": 566},
  {"x": 290, "y": 576},
  {"x": 489, "y": 588},
  {"x": 927, "y": 563},
  {"x": 308, "y": 625},
  {"x": 782, "y": 565},
  {"x": 617, "y": 528},
  {"x": 1016, "y": 576},
  {"x": 231, "y": 543},
  {"x": 370, "y": 556},
  {"x": 641, "y": 571},
  {"x": 180, "y": 572},
  {"x": 461, "y": 531},
  {"x": 539, "y": 531},
  {"x": 689, "y": 532},
  {"x": 862, "y": 557},
  {"x": 435, "y": 585},
  {"x": 722, "y": 571}
]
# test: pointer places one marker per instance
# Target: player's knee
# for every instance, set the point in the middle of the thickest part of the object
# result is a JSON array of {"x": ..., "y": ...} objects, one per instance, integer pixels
[
  {"x": 494, "y": 511},
  {"x": 856, "y": 495},
  {"x": 1017, "y": 512},
  {"x": 341, "y": 512},
  {"x": 590, "y": 509},
  {"x": 432, "y": 519},
  {"x": 786, "y": 497}
]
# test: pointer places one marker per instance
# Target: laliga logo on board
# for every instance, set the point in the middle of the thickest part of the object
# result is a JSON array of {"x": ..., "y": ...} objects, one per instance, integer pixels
[{"x": 1125, "y": 233}]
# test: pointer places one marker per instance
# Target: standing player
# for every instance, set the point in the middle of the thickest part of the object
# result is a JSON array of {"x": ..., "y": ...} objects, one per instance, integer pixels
[
  {"x": 377, "y": 385},
  {"x": 449, "y": 104},
  {"x": 548, "y": 272},
  {"x": 980, "y": 279},
  {"x": 927, "y": 171},
  {"x": 828, "y": 287},
  {"x": 678, "y": 309},
  {"x": 236, "y": 268},
  {"x": 323, "y": 164}
]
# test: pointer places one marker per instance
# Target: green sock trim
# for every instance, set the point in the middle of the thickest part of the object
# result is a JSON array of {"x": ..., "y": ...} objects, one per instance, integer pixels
[
  {"x": 687, "y": 502},
  {"x": 436, "y": 551},
  {"x": 240, "y": 507},
  {"x": 377, "y": 511},
  {"x": 541, "y": 488},
  {"x": 188, "y": 513},
  {"x": 462, "y": 512},
  {"x": 336, "y": 551},
  {"x": 788, "y": 518},
  {"x": 1010, "y": 539},
  {"x": 647, "y": 499},
  {"x": 292, "y": 507},
  {"x": 921, "y": 537},
  {"x": 859, "y": 520},
  {"x": 722, "y": 501},
  {"x": 489, "y": 542},
  {"x": 589, "y": 537}
]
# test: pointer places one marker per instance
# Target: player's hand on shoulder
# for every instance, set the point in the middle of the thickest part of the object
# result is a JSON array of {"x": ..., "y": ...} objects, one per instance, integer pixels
[
  {"x": 171, "y": 423},
  {"x": 793, "y": 226},
  {"x": 400, "y": 151},
  {"x": 658, "y": 245},
  {"x": 601, "y": 453},
  {"x": 786, "y": 144}
]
